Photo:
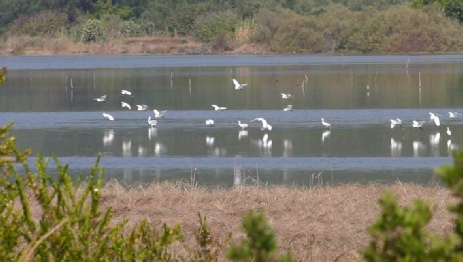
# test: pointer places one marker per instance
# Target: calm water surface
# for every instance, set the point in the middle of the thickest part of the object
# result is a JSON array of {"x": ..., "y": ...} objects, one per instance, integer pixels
[{"x": 356, "y": 94}]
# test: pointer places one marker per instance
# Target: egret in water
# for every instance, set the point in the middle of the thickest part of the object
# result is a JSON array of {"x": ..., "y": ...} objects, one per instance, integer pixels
[
  {"x": 453, "y": 114},
  {"x": 218, "y": 108},
  {"x": 152, "y": 122},
  {"x": 395, "y": 122},
  {"x": 418, "y": 124},
  {"x": 265, "y": 125},
  {"x": 325, "y": 124},
  {"x": 238, "y": 86},
  {"x": 449, "y": 132},
  {"x": 142, "y": 107},
  {"x": 124, "y": 104},
  {"x": 125, "y": 92},
  {"x": 159, "y": 114},
  {"x": 209, "y": 122},
  {"x": 286, "y": 96},
  {"x": 435, "y": 118},
  {"x": 288, "y": 108},
  {"x": 101, "y": 99},
  {"x": 243, "y": 126},
  {"x": 108, "y": 116}
]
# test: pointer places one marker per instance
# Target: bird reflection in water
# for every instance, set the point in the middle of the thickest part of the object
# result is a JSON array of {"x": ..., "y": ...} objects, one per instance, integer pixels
[
  {"x": 108, "y": 137},
  {"x": 418, "y": 148},
  {"x": 396, "y": 148},
  {"x": 127, "y": 148},
  {"x": 434, "y": 141}
]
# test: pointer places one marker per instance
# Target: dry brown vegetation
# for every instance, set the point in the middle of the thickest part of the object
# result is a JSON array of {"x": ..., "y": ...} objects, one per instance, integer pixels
[
  {"x": 316, "y": 224},
  {"x": 28, "y": 45}
]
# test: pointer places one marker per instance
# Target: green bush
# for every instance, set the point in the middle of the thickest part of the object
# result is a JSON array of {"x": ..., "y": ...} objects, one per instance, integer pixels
[
  {"x": 399, "y": 233},
  {"x": 92, "y": 31},
  {"x": 44, "y": 23},
  {"x": 209, "y": 25}
]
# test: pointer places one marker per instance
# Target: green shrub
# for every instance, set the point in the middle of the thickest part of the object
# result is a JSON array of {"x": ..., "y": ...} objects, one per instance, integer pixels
[
  {"x": 209, "y": 25},
  {"x": 92, "y": 31},
  {"x": 44, "y": 23}
]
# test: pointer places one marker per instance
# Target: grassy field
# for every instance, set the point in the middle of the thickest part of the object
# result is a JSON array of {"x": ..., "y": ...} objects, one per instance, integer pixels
[{"x": 316, "y": 224}]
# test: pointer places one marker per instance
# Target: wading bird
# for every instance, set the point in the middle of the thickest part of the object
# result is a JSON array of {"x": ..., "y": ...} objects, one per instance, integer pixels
[
  {"x": 288, "y": 108},
  {"x": 243, "y": 126},
  {"x": 108, "y": 116},
  {"x": 395, "y": 122},
  {"x": 286, "y": 96},
  {"x": 265, "y": 125},
  {"x": 418, "y": 124},
  {"x": 124, "y": 104},
  {"x": 209, "y": 122},
  {"x": 159, "y": 114},
  {"x": 325, "y": 124},
  {"x": 435, "y": 118},
  {"x": 142, "y": 107},
  {"x": 218, "y": 108},
  {"x": 100, "y": 99},
  {"x": 125, "y": 92},
  {"x": 152, "y": 122}
]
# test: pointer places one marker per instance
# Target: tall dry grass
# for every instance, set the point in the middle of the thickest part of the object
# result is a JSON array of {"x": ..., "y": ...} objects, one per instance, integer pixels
[{"x": 317, "y": 224}]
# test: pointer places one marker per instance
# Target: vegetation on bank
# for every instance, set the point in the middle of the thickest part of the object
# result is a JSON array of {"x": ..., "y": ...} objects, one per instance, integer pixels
[{"x": 255, "y": 26}]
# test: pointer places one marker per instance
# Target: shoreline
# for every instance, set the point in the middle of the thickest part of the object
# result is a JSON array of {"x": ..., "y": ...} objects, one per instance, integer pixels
[{"x": 314, "y": 224}]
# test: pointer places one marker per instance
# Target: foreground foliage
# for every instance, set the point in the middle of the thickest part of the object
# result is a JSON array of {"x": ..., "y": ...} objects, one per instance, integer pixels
[
  {"x": 72, "y": 226},
  {"x": 399, "y": 234}
]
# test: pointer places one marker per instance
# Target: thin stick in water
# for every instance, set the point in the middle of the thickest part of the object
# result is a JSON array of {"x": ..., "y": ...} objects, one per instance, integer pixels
[
  {"x": 408, "y": 62},
  {"x": 189, "y": 85}
]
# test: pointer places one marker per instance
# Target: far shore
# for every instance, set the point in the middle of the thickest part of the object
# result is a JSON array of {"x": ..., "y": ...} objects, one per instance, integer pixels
[{"x": 314, "y": 224}]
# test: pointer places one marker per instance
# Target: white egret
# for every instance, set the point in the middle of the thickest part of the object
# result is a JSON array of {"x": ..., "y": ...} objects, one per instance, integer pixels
[
  {"x": 238, "y": 86},
  {"x": 124, "y": 104},
  {"x": 395, "y": 122},
  {"x": 435, "y": 118},
  {"x": 449, "y": 132},
  {"x": 288, "y": 108},
  {"x": 325, "y": 124},
  {"x": 108, "y": 116},
  {"x": 418, "y": 124},
  {"x": 453, "y": 114},
  {"x": 125, "y": 92},
  {"x": 100, "y": 99},
  {"x": 142, "y": 107},
  {"x": 218, "y": 108},
  {"x": 286, "y": 96},
  {"x": 152, "y": 122},
  {"x": 265, "y": 125},
  {"x": 210, "y": 122},
  {"x": 159, "y": 114},
  {"x": 243, "y": 126}
]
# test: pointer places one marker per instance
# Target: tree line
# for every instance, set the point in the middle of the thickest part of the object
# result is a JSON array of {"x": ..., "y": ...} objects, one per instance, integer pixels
[{"x": 296, "y": 26}]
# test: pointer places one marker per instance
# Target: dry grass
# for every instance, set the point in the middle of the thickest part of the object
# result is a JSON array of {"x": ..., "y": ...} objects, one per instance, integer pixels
[
  {"x": 318, "y": 224},
  {"x": 27, "y": 45}
]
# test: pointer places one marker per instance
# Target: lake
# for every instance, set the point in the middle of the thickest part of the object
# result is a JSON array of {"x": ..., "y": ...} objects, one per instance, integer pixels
[{"x": 51, "y": 100}]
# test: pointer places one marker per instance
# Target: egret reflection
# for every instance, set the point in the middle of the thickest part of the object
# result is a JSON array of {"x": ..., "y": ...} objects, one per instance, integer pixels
[
  {"x": 434, "y": 141},
  {"x": 210, "y": 140},
  {"x": 127, "y": 148},
  {"x": 418, "y": 148},
  {"x": 152, "y": 132},
  {"x": 325, "y": 135},
  {"x": 242, "y": 134},
  {"x": 159, "y": 149},
  {"x": 108, "y": 137},
  {"x": 287, "y": 148},
  {"x": 396, "y": 148}
]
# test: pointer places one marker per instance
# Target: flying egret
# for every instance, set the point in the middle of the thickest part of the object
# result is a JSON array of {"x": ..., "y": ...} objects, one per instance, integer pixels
[
  {"x": 418, "y": 124},
  {"x": 286, "y": 96},
  {"x": 152, "y": 122},
  {"x": 142, "y": 107},
  {"x": 108, "y": 116},
  {"x": 435, "y": 118},
  {"x": 210, "y": 122},
  {"x": 159, "y": 114},
  {"x": 100, "y": 99},
  {"x": 288, "y": 108},
  {"x": 325, "y": 124},
  {"x": 395, "y": 122},
  {"x": 218, "y": 108},
  {"x": 243, "y": 126},
  {"x": 124, "y": 104},
  {"x": 238, "y": 86},
  {"x": 265, "y": 125},
  {"x": 453, "y": 114},
  {"x": 125, "y": 92},
  {"x": 449, "y": 132}
]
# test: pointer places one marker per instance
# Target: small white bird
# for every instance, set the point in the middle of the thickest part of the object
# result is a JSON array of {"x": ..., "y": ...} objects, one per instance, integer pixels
[
  {"x": 418, "y": 124},
  {"x": 108, "y": 116},
  {"x": 243, "y": 126},
  {"x": 238, "y": 86},
  {"x": 286, "y": 96},
  {"x": 265, "y": 125},
  {"x": 218, "y": 108},
  {"x": 125, "y": 92},
  {"x": 124, "y": 104},
  {"x": 449, "y": 132},
  {"x": 210, "y": 122},
  {"x": 152, "y": 122},
  {"x": 325, "y": 124},
  {"x": 453, "y": 114},
  {"x": 435, "y": 118},
  {"x": 288, "y": 108},
  {"x": 100, "y": 99},
  {"x": 142, "y": 107},
  {"x": 159, "y": 114},
  {"x": 395, "y": 122}
]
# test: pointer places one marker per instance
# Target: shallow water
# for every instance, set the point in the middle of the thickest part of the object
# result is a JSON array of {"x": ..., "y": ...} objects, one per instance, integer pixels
[{"x": 53, "y": 117}]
